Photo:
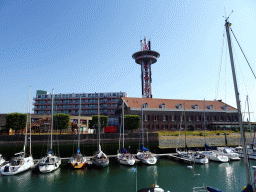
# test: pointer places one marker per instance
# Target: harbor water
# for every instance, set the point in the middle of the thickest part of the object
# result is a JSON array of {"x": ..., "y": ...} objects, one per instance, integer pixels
[{"x": 168, "y": 174}]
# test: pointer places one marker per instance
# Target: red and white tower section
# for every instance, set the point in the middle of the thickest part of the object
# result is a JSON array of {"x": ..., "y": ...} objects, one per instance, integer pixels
[{"x": 146, "y": 57}]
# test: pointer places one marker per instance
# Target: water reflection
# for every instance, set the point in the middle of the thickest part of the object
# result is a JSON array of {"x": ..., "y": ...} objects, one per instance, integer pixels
[{"x": 51, "y": 177}]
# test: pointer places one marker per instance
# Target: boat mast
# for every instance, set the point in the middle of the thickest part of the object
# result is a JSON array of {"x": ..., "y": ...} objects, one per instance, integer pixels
[
  {"x": 249, "y": 118},
  {"x": 204, "y": 123},
  {"x": 52, "y": 117},
  {"x": 142, "y": 129},
  {"x": 227, "y": 25},
  {"x": 26, "y": 125},
  {"x": 30, "y": 127},
  {"x": 79, "y": 124},
  {"x": 185, "y": 126},
  {"x": 99, "y": 121},
  {"x": 123, "y": 122}
]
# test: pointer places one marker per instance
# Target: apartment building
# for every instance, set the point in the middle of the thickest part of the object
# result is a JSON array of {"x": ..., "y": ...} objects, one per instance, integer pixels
[{"x": 69, "y": 103}]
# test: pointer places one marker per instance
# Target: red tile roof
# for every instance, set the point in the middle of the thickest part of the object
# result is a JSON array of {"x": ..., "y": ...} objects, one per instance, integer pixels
[{"x": 133, "y": 102}]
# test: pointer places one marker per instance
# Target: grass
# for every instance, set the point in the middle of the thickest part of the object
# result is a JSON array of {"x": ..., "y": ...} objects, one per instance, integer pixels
[{"x": 193, "y": 133}]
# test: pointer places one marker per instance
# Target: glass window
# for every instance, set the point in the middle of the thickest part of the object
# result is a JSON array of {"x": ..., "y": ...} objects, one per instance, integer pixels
[
  {"x": 101, "y": 95},
  {"x": 114, "y": 94},
  {"x": 96, "y": 95},
  {"x": 89, "y": 95},
  {"x": 39, "y": 96}
]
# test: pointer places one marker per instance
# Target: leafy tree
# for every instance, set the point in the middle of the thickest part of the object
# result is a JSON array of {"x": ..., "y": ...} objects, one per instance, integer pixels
[
  {"x": 16, "y": 121},
  {"x": 61, "y": 121},
  {"x": 132, "y": 122},
  {"x": 103, "y": 121}
]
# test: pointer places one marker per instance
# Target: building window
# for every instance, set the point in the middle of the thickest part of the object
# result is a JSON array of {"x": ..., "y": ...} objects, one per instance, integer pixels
[
  {"x": 96, "y": 95},
  {"x": 145, "y": 105},
  {"x": 189, "y": 118},
  {"x": 179, "y": 106},
  {"x": 89, "y": 95},
  {"x": 195, "y": 106},
  {"x": 210, "y": 107},
  {"x": 155, "y": 118},
  {"x": 164, "y": 117},
  {"x": 145, "y": 118},
  {"x": 114, "y": 94},
  {"x": 101, "y": 95},
  {"x": 213, "y": 119},
  {"x": 39, "y": 96},
  {"x": 173, "y": 119}
]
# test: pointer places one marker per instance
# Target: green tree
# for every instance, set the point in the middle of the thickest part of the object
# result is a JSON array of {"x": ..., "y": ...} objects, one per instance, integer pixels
[
  {"x": 132, "y": 122},
  {"x": 61, "y": 121},
  {"x": 16, "y": 121},
  {"x": 103, "y": 121}
]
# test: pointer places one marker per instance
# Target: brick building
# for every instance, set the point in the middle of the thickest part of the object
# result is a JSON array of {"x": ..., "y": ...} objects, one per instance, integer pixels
[{"x": 168, "y": 114}]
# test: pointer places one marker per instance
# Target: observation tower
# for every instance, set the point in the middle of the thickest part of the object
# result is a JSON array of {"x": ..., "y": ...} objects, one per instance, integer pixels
[{"x": 146, "y": 57}]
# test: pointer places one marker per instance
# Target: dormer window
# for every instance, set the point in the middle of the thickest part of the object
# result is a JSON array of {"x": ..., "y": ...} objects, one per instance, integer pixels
[
  {"x": 145, "y": 105},
  {"x": 224, "y": 107},
  {"x": 162, "y": 106},
  {"x": 194, "y": 106},
  {"x": 210, "y": 107},
  {"x": 179, "y": 106}
]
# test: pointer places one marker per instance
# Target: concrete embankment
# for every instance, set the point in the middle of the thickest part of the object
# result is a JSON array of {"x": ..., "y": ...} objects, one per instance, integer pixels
[{"x": 199, "y": 141}]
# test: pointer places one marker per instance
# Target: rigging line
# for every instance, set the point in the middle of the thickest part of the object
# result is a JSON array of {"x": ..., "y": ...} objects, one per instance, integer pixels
[
  {"x": 243, "y": 53},
  {"x": 219, "y": 71},
  {"x": 234, "y": 50}
]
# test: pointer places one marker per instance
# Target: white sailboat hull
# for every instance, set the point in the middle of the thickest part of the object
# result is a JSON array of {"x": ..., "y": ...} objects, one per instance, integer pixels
[
  {"x": 10, "y": 169},
  {"x": 125, "y": 159},
  {"x": 213, "y": 156},
  {"x": 49, "y": 164},
  {"x": 100, "y": 159},
  {"x": 147, "y": 158}
]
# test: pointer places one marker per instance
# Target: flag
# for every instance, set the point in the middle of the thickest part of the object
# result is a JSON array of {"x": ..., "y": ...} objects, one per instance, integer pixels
[
  {"x": 153, "y": 185},
  {"x": 134, "y": 170}
]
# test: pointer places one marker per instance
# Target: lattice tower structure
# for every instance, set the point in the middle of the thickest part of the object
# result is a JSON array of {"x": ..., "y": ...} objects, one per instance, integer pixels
[{"x": 146, "y": 57}]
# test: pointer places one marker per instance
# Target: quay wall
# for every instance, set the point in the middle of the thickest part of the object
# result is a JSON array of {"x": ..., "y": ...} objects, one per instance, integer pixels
[{"x": 199, "y": 141}]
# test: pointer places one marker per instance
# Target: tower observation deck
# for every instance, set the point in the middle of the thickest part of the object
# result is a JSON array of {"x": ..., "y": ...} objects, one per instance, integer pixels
[{"x": 146, "y": 57}]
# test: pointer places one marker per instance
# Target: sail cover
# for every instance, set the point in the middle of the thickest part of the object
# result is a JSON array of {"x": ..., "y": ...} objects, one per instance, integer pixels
[
  {"x": 213, "y": 190},
  {"x": 124, "y": 150},
  {"x": 144, "y": 148},
  {"x": 210, "y": 148},
  {"x": 78, "y": 150},
  {"x": 189, "y": 148},
  {"x": 50, "y": 152}
]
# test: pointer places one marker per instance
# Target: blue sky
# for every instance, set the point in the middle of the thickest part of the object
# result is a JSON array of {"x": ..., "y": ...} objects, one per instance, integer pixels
[{"x": 87, "y": 46}]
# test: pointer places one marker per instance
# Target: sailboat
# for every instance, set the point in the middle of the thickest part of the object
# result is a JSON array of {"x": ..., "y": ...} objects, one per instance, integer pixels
[
  {"x": 50, "y": 162},
  {"x": 124, "y": 157},
  {"x": 20, "y": 162},
  {"x": 100, "y": 159},
  {"x": 249, "y": 187},
  {"x": 144, "y": 155},
  {"x": 195, "y": 157},
  {"x": 213, "y": 155},
  {"x": 77, "y": 160}
]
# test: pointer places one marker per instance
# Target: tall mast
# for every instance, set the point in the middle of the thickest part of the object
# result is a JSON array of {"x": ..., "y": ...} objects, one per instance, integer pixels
[
  {"x": 52, "y": 117},
  {"x": 249, "y": 117},
  {"x": 30, "y": 126},
  {"x": 99, "y": 120},
  {"x": 204, "y": 123},
  {"x": 142, "y": 129},
  {"x": 79, "y": 124},
  {"x": 26, "y": 125},
  {"x": 123, "y": 122},
  {"x": 185, "y": 126},
  {"x": 227, "y": 25}
]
